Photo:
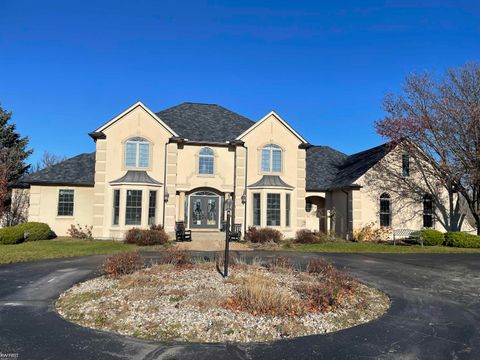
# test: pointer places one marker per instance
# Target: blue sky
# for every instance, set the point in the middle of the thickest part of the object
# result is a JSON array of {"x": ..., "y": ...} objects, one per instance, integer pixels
[{"x": 66, "y": 67}]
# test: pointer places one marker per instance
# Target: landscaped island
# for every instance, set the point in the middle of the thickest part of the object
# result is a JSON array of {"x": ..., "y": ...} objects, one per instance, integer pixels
[{"x": 184, "y": 300}]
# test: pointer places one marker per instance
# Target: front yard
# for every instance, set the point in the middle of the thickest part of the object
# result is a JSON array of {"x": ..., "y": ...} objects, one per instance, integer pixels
[
  {"x": 370, "y": 247},
  {"x": 59, "y": 248}
]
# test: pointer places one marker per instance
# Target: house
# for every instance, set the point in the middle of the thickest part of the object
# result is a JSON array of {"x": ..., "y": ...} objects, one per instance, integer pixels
[{"x": 183, "y": 163}]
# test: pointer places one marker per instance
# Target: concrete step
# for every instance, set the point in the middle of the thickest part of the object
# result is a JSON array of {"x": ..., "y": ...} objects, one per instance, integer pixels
[{"x": 207, "y": 235}]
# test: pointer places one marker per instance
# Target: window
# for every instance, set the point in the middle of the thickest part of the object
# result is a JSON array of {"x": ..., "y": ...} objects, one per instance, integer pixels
[
  {"x": 427, "y": 211},
  {"x": 287, "y": 209},
  {"x": 65, "y": 202},
  {"x": 273, "y": 209},
  {"x": 137, "y": 152},
  {"x": 272, "y": 158},
  {"x": 116, "y": 207},
  {"x": 406, "y": 165},
  {"x": 385, "y": 211},
  {"x": 205, "y": 161},
  {"x": 152, "y": 207},
  {"x": 257, "y": 212},
  {"x": 133, "y": 212},
  {"x": 308, "y": 206}
]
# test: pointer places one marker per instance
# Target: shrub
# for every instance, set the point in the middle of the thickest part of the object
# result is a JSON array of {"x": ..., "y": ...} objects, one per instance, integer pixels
[
  {"x": 368, "y": 232},
  {"x": 330, "y": 289},
  {"x": 156, "y": 235},
  {"x": 78, "y": 232},
  {"x": 280, "y": 262},
  {"x": 122, "y": 264},
  {"x": 11, "y": 235},
  {"x": 256, "y": 295},
  {"x": 176, "y": 257},
  {"x": 31, "y": 231},
  {"x": 263, "y": 235},
  {"x": 463, "y": 240},
  {"x": 305, "y": 236},
  {"x": 432, "y": 237}
]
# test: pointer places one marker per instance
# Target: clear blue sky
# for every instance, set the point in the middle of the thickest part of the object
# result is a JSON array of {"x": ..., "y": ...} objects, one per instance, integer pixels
[{"x": 66, "y": 67}]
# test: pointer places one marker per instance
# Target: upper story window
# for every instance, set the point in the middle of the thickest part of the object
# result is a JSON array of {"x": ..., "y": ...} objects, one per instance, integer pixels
[
  {"x": 272, "y": 158},
  {"x": 385, "y": 210},
  {"x": 137, "y": 153},
  {"x": 406, "y": 165},
  {"x": 205, "y": 161}
]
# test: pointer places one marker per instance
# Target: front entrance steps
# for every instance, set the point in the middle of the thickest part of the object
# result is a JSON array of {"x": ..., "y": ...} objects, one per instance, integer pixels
[{"x": 209, "y": 240}]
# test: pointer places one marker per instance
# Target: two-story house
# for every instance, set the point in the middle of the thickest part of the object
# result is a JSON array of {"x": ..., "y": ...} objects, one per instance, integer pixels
[{"x": 182, "y": 163}]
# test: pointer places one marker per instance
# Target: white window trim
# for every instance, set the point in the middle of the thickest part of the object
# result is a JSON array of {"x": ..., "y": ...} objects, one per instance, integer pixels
[
  {"x": 58, "y": 201},
  {"x": 137, "y": 154},
  {"x": 271, "y": 150}
]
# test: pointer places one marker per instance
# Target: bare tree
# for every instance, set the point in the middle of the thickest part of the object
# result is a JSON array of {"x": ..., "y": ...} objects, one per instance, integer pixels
[
  {"x": 47, "y": 160},
  {"x": 17, "y": 211},
  {"x": 438, "y": 121}
]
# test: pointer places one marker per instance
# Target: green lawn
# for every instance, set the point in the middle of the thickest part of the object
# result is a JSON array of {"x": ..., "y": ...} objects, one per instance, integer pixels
[
  {"x": 58, "y": 248},
  {"x": 378, "y": 248}
]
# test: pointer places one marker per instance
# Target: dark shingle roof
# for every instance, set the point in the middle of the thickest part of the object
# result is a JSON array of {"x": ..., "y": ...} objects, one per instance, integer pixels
[
  {"x": 270, "y": 181},
  {"x": 329, "y": 169},
  {"x": 135, "y": 176},
  {"x": 322, "y": 166},
  {"x": 205, "y": 122},
  {"x": 78, "y": 170}
]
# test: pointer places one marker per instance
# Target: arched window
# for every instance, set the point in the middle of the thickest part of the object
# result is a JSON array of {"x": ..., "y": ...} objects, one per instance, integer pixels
[
  {"x": 427, "y": 211},
  {"x": 272, "y": 158},
  {"x": 385, "y": 210},
  {"x": 137, "y": 152},
  {"x": 205, "y": 161}
]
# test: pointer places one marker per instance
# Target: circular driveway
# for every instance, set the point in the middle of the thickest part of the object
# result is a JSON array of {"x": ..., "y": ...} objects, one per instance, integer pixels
[{"x": 435, "y": 314}]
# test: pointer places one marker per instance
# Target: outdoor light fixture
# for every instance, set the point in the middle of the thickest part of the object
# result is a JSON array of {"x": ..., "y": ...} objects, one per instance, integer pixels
[
  {"x": 244, "y": 197},
  {"x": 166, "y": 196},
  {"x": 228, "y": 206}
]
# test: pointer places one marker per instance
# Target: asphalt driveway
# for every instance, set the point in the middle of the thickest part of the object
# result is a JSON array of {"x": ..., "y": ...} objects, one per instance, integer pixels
[{"x": 435, "y": 314}]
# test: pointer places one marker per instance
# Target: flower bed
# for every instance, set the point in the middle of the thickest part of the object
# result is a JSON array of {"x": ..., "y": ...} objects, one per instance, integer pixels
[{"x": 192, "y": 302}]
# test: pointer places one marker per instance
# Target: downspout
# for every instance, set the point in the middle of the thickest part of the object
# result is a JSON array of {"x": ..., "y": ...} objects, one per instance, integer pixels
[
  {"x": 234, "y": 184},
  {"x": 246, "y": 195},
  {"x": 347, "y": 217},
  {"x": 164, "y": 183}
]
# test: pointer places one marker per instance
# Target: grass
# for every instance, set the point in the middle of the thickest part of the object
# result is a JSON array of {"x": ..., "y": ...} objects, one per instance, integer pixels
[
  {"x": 59, "y": 248},
  {"x": 365, "y": 247}
]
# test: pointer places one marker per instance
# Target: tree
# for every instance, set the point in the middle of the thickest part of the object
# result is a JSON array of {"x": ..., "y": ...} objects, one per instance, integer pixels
[
  {"x": 47, "y": 160},
  {"x": 13, "y": 152},
  {"x": 437, "y": 121}
]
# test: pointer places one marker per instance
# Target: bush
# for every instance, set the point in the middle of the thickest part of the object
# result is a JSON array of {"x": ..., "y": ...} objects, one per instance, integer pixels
[
  {"x": 122, "y": 264},
  {"x": 176, "y": 257},
  {"x": 369, "y": 232},
  {"x": 305, "y": 236},
  {"x": 263, "y": 235},
  {"x": 31, "y": 231},
  {"x": 11, "y": 235},
  {"x": 79, "y": 232},
  {"x": 463, "y": 240},
  {"x": 432, "y": 237},
  {"x": 156, "y": 235}
]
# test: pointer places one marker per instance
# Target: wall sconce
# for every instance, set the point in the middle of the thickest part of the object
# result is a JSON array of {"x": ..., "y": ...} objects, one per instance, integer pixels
[
  {"x": 166, "y": 195},
  {"x": 244, "y": 197}
]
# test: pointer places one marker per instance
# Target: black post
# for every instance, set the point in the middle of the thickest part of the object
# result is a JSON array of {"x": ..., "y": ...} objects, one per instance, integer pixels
[{"x": 227, "y": 243}]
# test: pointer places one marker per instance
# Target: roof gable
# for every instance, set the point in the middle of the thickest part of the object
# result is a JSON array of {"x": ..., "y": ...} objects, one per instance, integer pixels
[
  {"x": 205, "y": 122},
  {"x": 265, "y": 118},
  {"x": 131, "y": 108}
]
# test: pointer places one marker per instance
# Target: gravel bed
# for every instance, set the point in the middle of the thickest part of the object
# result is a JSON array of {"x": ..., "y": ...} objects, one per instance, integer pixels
[{"x": 188, "y": 304}]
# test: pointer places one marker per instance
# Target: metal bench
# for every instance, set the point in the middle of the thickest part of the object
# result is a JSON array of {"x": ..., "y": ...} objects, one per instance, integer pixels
[
  {"x": 402, "y": 234},
  {"x": 182, "y": 234}
]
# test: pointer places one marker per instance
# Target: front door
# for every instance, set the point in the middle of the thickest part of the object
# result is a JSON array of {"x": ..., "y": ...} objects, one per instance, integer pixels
[{"x": 204, "y": 211}]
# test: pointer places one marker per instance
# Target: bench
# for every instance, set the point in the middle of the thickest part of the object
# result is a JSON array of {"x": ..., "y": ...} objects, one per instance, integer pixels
[
  {"x": 402, "y": 234},
  {"x": 236, "y": 233}
]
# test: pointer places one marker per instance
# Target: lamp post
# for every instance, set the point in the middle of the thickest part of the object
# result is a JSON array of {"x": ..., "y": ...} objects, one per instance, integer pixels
[{"x": 228, "y": 208}]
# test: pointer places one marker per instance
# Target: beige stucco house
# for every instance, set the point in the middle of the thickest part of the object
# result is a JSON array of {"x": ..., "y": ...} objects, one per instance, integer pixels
[{"x": 182, "y": 163}]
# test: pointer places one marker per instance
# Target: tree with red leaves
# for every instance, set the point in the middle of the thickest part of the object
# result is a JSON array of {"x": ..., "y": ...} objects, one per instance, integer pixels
[{"x": 437, "y": 120}]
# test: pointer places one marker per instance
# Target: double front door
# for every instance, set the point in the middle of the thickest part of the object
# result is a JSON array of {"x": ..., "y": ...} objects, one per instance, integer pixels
[{"x": 204, "y": 211}]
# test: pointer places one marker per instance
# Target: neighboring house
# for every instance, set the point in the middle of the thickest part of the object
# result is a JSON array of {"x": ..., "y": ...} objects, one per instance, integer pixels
[{"x": 182, "y": 163}]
